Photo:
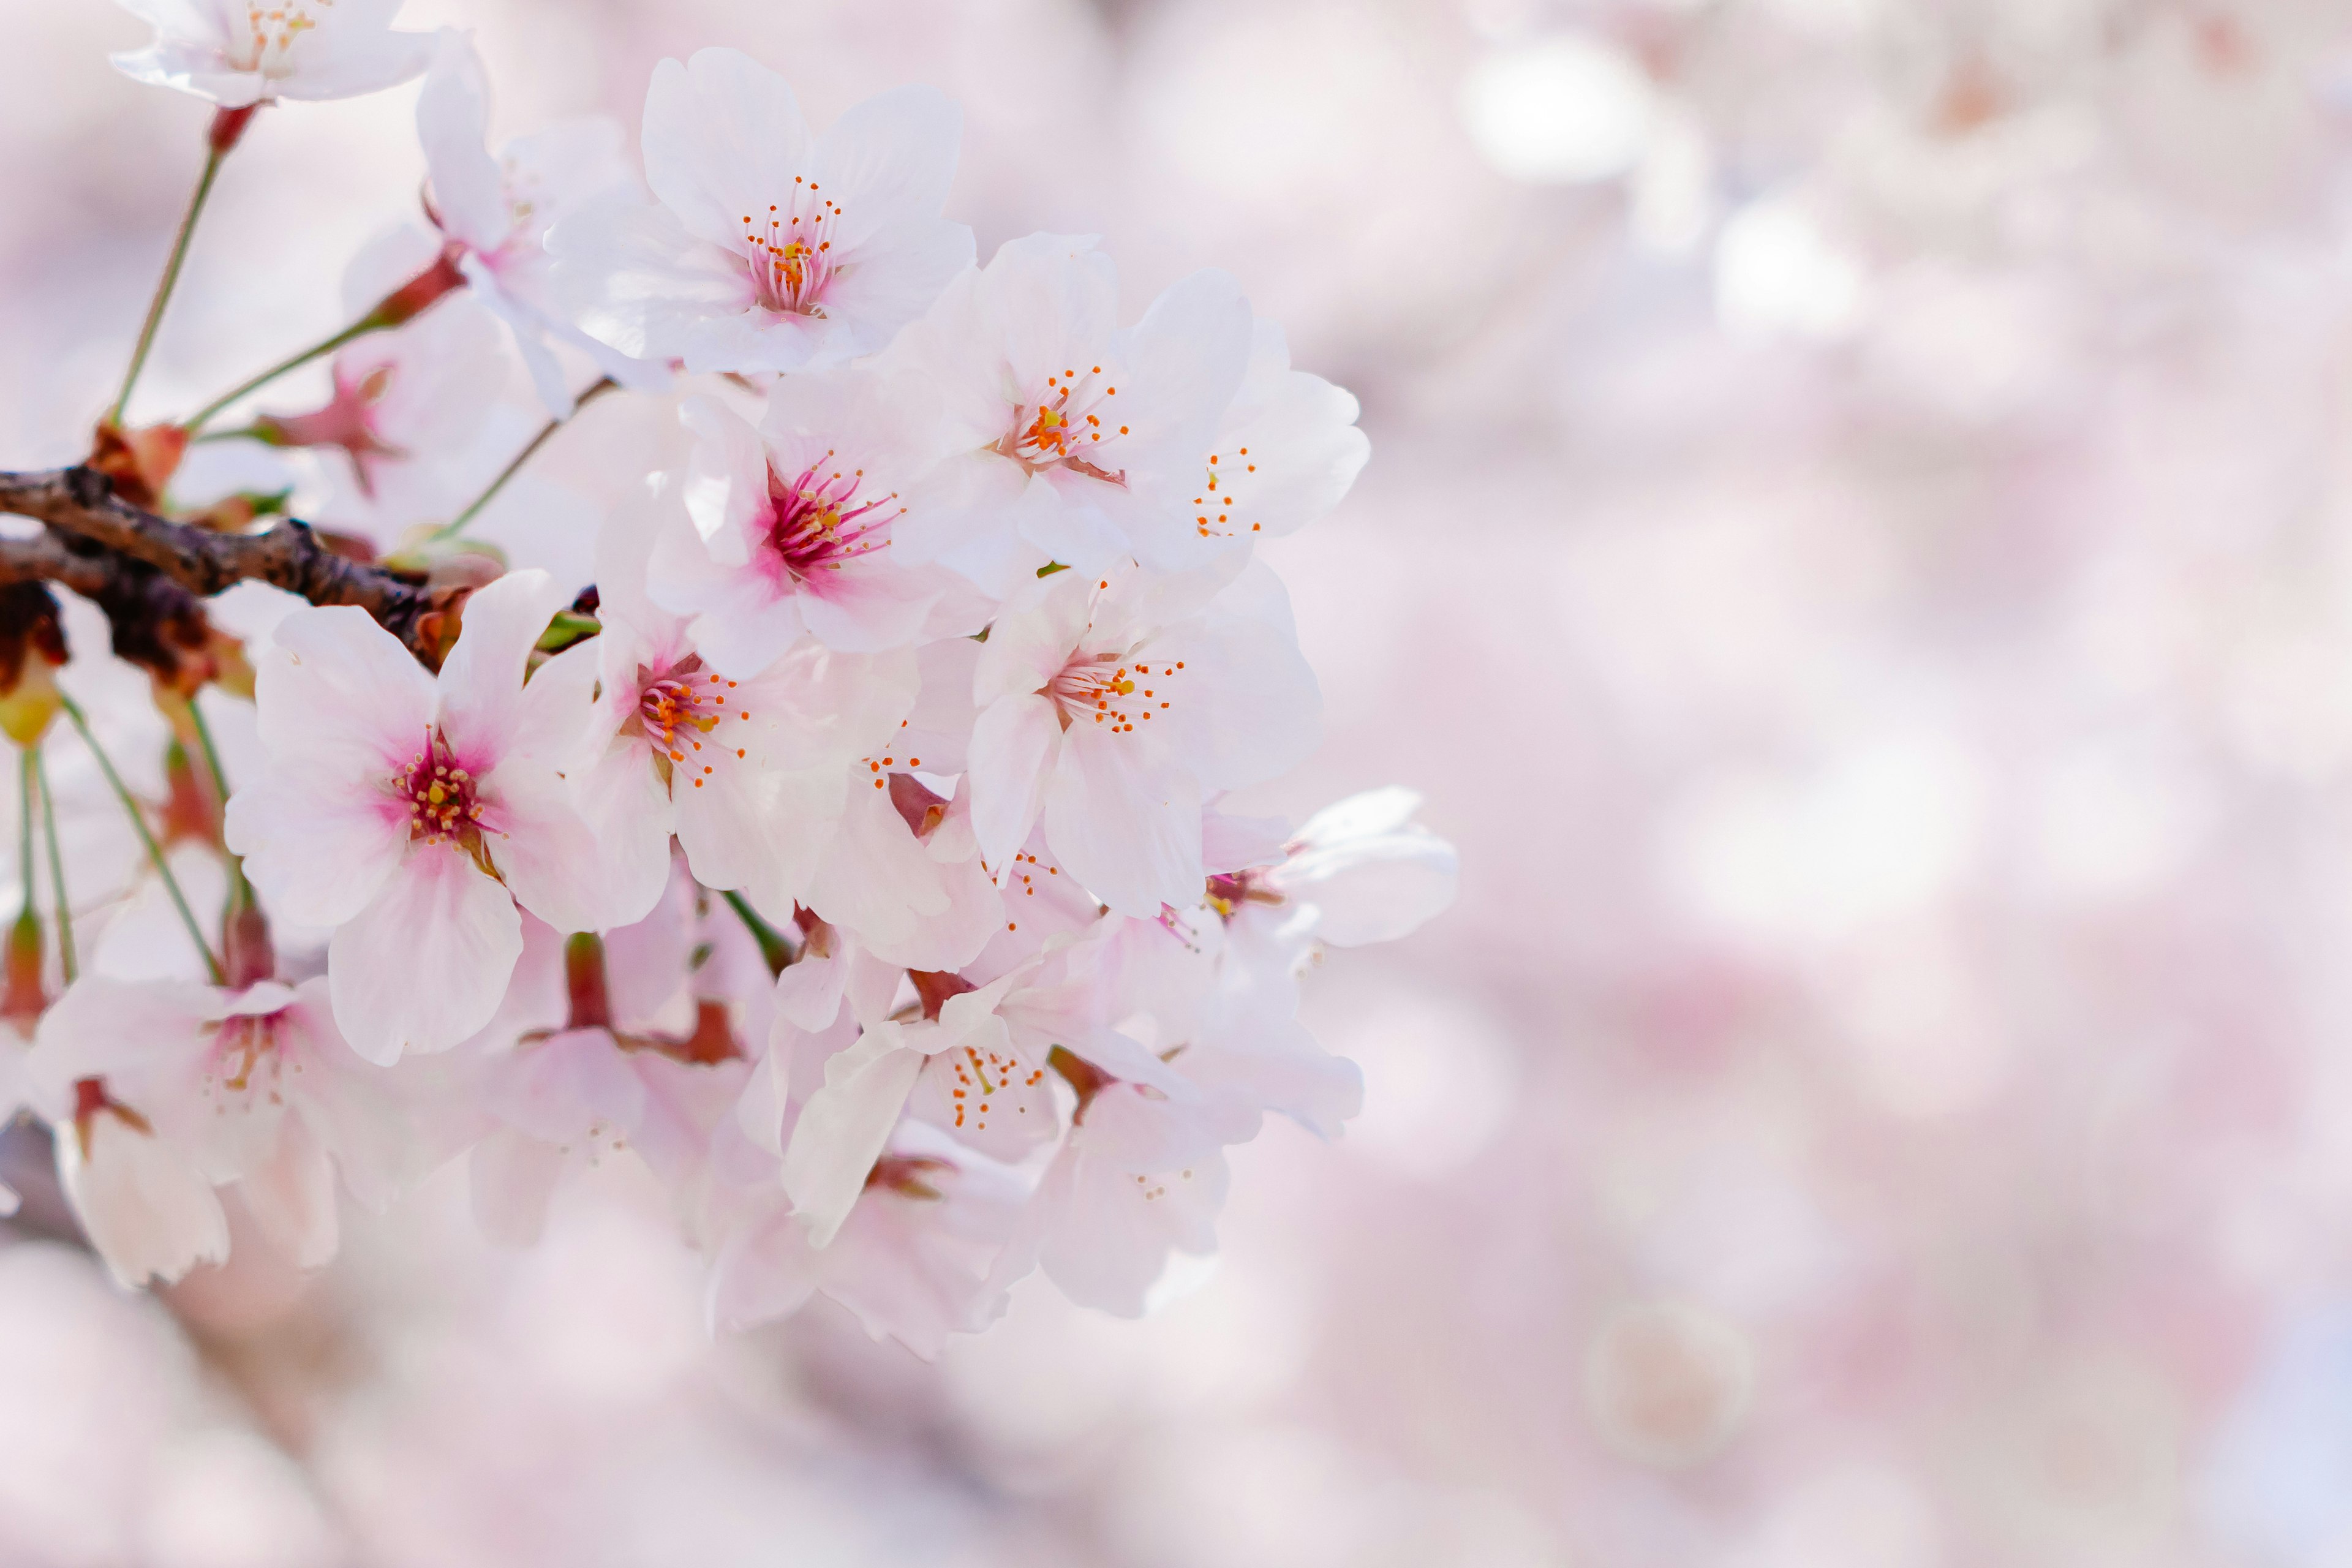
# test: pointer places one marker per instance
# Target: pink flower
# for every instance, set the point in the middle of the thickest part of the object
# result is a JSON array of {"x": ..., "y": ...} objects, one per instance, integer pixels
[
  {"x": 1079, "y": 440},
  {"x": 498, "y": 210},
  {"x": 788, "y": 530},
  {"x": 768, "y": 250},
  {"x": 411, "y": 814},
  {"x": 242, "y": 52},
  {"x": 254, "y": 1087},
  {"x": 746, "y": 772},
  {"x": 1110, "y": 706}
]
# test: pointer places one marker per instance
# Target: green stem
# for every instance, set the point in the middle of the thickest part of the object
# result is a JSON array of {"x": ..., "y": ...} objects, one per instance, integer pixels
[
  {"x": 25, "y": 868},
  {"x": 170, "y": 279},
  {"x": 57, "y": 871},
  {"x": 358, "y": 329},
  {"x": 456, "y": 524},
  {"x": 240, "y": 892},
  {"x": 772, "y": 946},
  {"x": 146, "y": 837}
]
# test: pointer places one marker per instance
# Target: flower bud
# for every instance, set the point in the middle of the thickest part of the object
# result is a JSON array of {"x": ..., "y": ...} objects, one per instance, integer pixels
[{"x": 32, "y": 646}]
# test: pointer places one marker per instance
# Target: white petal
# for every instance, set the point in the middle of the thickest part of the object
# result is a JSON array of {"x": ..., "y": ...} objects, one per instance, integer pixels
[{"x": 425, "y": 965}]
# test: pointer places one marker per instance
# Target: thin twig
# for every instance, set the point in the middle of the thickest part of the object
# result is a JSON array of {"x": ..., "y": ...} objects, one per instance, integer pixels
[
  {"x": 170, "y": 279},
  {"x": 456, "y": 524},
  {"x": 146, "y": 837},
  {"x": 57, "y": 868}
]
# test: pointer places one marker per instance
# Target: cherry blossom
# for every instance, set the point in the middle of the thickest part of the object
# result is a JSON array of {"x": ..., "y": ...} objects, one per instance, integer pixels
[
  {"x": 411, "y": 814},
  {"x": 498, "y": 210},
  {"x": 1110, "y": 706},
  {"x": 1078, "y": 441},
  {"x": 768, "y": 248},
  {"x": 243, "y": 52},
  {"x": 745, "y": 772},
  {"x": 789, "y": 530},
  {"x": 254, "y": 1087}
]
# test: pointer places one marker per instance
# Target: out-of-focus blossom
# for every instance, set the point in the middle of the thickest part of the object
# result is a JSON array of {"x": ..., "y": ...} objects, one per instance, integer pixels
[{"x": 239, "y": 53}]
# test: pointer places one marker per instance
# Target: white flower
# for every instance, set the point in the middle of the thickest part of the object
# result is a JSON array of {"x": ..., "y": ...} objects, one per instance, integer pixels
[
  {"x": 412, "y": 812},
  {"x": 746, "y": 772},
  {"x": 499, "y": 211},
  {"x": 254, "y": 1087},
  {"x": 242, "y": 52},
  {"x": 1112, "y": 706},
  {"x": 1078, "y": 441},
  {"x": 147, "y": 1209},
  {"x": 766, "y": 248}
]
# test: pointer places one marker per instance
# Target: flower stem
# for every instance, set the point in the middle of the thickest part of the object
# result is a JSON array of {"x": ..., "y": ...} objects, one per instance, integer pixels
[
  {"x": 456, "y": 525},
  {"x": 324, "y": 346},
  {"x": 146, "y": 837},
  {"x": 26, "y": 870},
  {"x": 215, "y": 152},
  {"x": 57, "y": 871},
  {"x": 773, "y": 948}
]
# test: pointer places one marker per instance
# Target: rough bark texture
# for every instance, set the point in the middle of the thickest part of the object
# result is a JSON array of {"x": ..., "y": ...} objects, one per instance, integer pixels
[{"x": 151, "y": 568}]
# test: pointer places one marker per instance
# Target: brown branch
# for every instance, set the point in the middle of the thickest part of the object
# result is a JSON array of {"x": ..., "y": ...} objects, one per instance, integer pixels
[{"x": 81, "y": 503}]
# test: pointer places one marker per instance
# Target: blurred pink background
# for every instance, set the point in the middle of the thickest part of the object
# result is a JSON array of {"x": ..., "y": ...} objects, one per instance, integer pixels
[{"x": 1858, "y": 554}]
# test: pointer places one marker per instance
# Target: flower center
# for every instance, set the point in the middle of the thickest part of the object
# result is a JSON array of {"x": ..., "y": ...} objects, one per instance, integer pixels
[
  {"x": 444, "y": 802},
  {"x": 270, "y": 31},
  {"x": 791, "y": 257},
  {"x": 677, "y": 710},
  {"x": 1062, "y": 427},
  {"x": 244, "y": 1043},
  {"x": 1219, "y": 511},
  {"x": 819, "y": 524},
  {"x": 1111, "y": 692}
]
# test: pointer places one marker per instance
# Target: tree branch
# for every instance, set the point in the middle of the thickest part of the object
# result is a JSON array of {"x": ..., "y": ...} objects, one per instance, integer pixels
[{"x": 81, "y": 503}]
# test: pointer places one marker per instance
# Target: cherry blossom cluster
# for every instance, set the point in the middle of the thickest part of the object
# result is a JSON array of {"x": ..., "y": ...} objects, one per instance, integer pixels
[{"x": 852, "y": 853}]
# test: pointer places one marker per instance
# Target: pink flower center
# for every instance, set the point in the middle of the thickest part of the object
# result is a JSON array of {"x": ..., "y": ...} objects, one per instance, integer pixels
[
  {"x": 1110, "y": 692},
  {"x": 1062, "y": 428},
  {"x": 791, "y": 256},
  {"x": 444, "y": 802},
  {"x": 680, "y": 708},
  {"x": 244, "y": 1042},
  {"x": 818, "y": 523}
]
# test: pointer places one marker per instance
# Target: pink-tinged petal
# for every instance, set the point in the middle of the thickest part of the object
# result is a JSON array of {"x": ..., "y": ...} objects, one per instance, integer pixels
[
  {"x": 481, "y": 680},
  {"x": 1056, "y": 300},
  {"x": 1033, "y": 638},
  {"x": 559, "y": 721},
  {"x": 292, "y": 1195},
  {"x": 318, "y": 847},
  {"x": 891, "y": 158},
  {"x": 1367, "y": 814},
  {"x": 148, "y": 1212},
  {"x": 895, "y": 274},
  {"x": 1373, "y": 889},
  {"x": 555, "y": 1089},
  {"x": 1186, "y": 359},
  {"x": 723, "y": 137},
  {"x": 1111, "y": 1242},
  {"x": 425, "y": 963},
  {"x": 513, "y": 1176},
  {"x": 809, "y": 992},
  {"x": 550, "y": 858},
  {"x": 731, "y": 822},
  {"x": 628, "y": 273},
  {"x": 1234, "y": 843},
  {"x": 870, "y": 607},
  {"x": 627, "y": 813},
  {"x": 726, "y": 492},
  {"x": 1251, "y": 709},
  {"x": 844, "y": 1125},
  {"x": 341, "y": 691},
  {"x": 453, "y": 118},
  {"x": 1125, "y": 819},
  {"x": 1015, "y": 743}
]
